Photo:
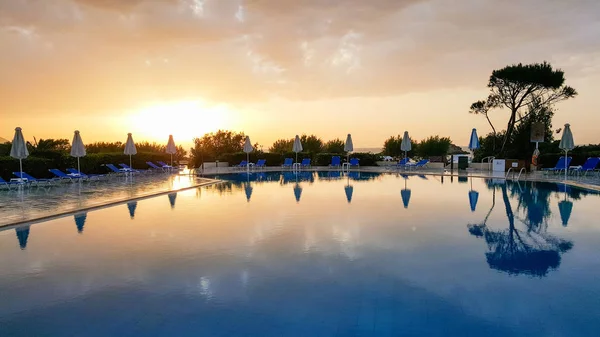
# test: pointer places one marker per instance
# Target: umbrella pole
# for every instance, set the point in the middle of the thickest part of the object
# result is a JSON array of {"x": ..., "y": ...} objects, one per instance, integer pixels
[
  {"x": 130, "y": 162},
  {"x": 566, "y": 154},
  {"x": 78, "y": 167},
  {"x": 296, "y": 157},
  {"x": 21, "y": 168},
  {"x": 171, "y": 159},
  {"x": 248, "y": 162}
]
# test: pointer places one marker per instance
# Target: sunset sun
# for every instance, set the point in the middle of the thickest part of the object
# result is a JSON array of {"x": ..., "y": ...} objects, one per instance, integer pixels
[{"x": 183, "y": 119}]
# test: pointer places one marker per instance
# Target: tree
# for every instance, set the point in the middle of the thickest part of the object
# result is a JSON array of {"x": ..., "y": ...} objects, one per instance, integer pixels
[
  {"x": 282, "y": 146},
  {"x": 391, "y": 146},
  {"x": 311, "y": 143},
  {"x": 58, "y": 145},
  {"x": 515, "y": 87},
  {"x": 211, "y": 145},
  {"x": 434, "y": 146},
  {"x": 334, "y": 146}
]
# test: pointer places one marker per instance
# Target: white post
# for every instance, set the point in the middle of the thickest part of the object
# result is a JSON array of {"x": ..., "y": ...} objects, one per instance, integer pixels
[
  {"x": 248, "y": 163},
  {"x": 566, "y": 161},
  {"x": 21, "y": 168},
  {"x": 78, "y": 167}
]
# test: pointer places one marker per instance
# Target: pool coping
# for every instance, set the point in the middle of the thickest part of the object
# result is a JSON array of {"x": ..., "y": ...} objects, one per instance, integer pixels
[
  {"x": 226, "y": 171},
  {"x": 18, "y": 224}
]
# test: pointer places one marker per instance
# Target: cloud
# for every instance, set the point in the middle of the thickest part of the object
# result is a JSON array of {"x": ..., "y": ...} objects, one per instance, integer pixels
[{"x": 110, "y": 54}]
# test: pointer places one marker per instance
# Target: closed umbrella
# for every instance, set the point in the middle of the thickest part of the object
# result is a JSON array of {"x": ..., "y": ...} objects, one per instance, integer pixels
[
  {"x": 18, "y": 149},
  {"x": 80, "y": 221},
  {"x": 130, "y": 149},
  {"x": 405, "y": 145},
  {"x": 172, "y": 198},
  {"x": 248, "y": 189},
  {"x": 566, "y": 144},
  {"x": 297, "y": 190},
  {"x": 77, "y": 148},
  {"x": 565, "y": 208},
  {"x": 171, "y": 148},
  {"x": 348, "y": 147},
  {"x": 474, "y": 142},
  {"x": 297, "y": 147},
  {"x": 248, "y": 148},
  {"x": 405, "y": 193}
]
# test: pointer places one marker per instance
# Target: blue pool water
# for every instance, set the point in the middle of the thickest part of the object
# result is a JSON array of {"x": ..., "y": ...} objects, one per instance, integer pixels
[{"x": 313, "y": 255}]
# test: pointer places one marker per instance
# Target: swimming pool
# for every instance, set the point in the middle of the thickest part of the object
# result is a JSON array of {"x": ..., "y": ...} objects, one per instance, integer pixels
[{"x": 314, "y": 254}]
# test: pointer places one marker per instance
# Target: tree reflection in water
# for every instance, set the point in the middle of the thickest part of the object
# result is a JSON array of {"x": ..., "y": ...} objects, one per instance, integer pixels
[{"x": 530, "y": 250}]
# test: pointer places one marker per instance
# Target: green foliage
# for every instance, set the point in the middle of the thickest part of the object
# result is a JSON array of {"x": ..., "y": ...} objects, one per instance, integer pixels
[
  {"x": 273, "y": 159},
  {"x": 311, "y": 143},
  {"x": 517, "y": 88},
  {"x": 5, "y": 149},
  {"x": 211, "y": 145},
  {"x": 391, "y": 146},
  {"x": 433, "y": 146},
  {"x": 334, "y": 146},
  {"x": 58, "y": 145},
  {"x": 282, "y": 146},
  {"x": 118, "y": 147}
]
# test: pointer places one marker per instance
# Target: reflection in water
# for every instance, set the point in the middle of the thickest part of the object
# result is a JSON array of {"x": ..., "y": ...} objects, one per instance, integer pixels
[
  {"x": 297, "y": 192},
  {"x": 80, "y": 221},
  {"x": 473, "y": 197},
  {"x": 405, "y": 193},
  {"x": 22, "y": 235},
  {"x": 132, "y": 206},
  {"x": 248, "y": 190},
  {"x": 530, "y": 251},
  {"x": 172, "y": 198}
]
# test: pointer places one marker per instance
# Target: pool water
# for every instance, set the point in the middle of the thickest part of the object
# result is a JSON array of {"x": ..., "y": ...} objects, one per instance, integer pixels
[{"x": 313, "y": 254}]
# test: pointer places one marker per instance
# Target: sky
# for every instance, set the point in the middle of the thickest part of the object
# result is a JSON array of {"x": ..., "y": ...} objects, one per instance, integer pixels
[{"x": 277, "y": 68}]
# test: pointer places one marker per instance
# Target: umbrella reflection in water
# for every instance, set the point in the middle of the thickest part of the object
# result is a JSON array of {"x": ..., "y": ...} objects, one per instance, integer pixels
[
  {"x": 22, "y": 236},
  {"x": 405, "y": 193},
  {"x": 565, "y": 207},
  {"x": 80, "y": 221},
  {"x": 172, "y": 198},
  {"x": 132, "y": 206}
]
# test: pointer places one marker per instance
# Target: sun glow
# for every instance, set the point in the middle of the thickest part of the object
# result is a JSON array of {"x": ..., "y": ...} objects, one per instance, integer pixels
[{"x": 184, "y": 120}]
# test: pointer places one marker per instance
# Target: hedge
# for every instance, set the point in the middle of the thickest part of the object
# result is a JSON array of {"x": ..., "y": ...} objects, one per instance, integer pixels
[{"x": 548, "y": 160}]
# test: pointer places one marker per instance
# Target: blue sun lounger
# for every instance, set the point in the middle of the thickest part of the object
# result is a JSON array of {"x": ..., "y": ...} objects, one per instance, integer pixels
[
  {"x": 305, "y": 163},
  {"x": 155, "y": 167},
  {"x": 63, "y": 176},
  {"x": 115, "y": 169},
  {"x": 354, "y": 162},
  {"x": 9, "y": 184},
  {"x": 32, "y": 180},
  {"x": 589, "y": 166},
  {"x": 288, "y": 162},
  {"x": 404, "y": 163},
  {"x": 261, "y": 163},
  {"x": 129, "y": 169},
  {"x": 84, "y": 175},
  {"x": 335, "y": 162},
  {"x": 560, "y": 165}
]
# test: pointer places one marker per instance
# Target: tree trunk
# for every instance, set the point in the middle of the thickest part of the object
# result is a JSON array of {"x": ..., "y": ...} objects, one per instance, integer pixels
[{"x": 509, "y": 129}]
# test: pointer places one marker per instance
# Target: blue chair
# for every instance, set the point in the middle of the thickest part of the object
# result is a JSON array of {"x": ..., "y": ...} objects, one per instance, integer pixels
[
  {"x": 129, "y": 169},
  {"x": 261, "y": 163},
  {"x": 305, "y": 163},
  {"x": 8, "y": 184},
  {"x": 354, "y": 162},
  {"x": 32, "y": 180},
  {"x": 155, "y": 167},
  {"x": 85, "y": 176},
  {"x": 589, "y": 165},
  {"x": 62, "y": 176},
  {"x": 560, "y": 165},
  {"x": 242, "y": 164},
  {"x": 115, "y": 169},
  {"x": 288, "y": 163},
  {"x": 420, "y": 164},
  {"x": 165, "y": 165},
  {"x": 335, "y": 162},
  {"x": 404, "y": 163}
]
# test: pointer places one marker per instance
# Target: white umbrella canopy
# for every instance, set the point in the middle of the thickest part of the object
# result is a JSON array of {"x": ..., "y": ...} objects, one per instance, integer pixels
[
  {"x": 297, "y": 147},
  {"x": 130, "y": 149},
  {"x": 474, "y": 142},
  {"x": 248, "y": 148},
  {"x": 348, "y": 146},
  {"x": 171, "y": 148},
  {"x": 405, "y": 145},
  {"x": 18, "y": 149},
  {"x": 77, "y": 148},
  {"x": 566, "y": 144}
]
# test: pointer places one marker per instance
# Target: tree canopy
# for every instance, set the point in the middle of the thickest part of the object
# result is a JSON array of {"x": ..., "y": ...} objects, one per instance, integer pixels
[
  {"x": 334, "y": 146},
  {"x": 517, "y": 87}
]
